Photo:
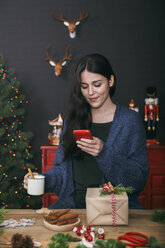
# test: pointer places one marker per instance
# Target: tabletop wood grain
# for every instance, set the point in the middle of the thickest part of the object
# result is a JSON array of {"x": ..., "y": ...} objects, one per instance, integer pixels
[{"x": 139, "y": 221}]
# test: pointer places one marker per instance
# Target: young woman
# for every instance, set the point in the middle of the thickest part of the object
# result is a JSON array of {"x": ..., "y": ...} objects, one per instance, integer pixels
[{"x": 117, "y": 152}]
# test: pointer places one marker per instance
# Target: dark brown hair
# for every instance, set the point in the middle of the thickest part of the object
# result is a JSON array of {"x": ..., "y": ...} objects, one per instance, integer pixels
[{"x": 78, "y": 115}]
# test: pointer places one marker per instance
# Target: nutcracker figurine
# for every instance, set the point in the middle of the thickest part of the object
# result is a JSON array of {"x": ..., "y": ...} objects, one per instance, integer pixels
[
  {"x": 151, "y": 112},
  {"x": 54, "y": 136}
]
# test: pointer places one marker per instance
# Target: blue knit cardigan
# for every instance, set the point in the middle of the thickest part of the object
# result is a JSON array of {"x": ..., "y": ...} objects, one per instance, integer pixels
[{"x": 123, "y": 159}]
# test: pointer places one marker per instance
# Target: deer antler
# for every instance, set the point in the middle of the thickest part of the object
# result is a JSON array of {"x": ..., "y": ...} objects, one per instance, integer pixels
[
  {"x": 47, "y": 54},
  {"x": 71, "y": 24},
  {"x": 60, "y": 18},
  {"x": 67, "y": 56},
  {"x": 82, "y": 16},
  {"x": 58, "y": 65}
]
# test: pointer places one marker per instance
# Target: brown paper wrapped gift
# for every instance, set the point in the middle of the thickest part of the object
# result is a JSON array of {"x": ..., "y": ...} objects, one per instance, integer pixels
[{"x": 99, "y": 209}]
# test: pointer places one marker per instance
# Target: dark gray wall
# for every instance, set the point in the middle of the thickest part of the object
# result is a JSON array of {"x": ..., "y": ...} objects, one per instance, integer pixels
[{"x": 129, "y": 32}]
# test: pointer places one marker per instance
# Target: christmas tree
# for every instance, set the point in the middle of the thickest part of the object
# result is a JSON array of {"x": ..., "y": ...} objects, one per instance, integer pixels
[{"x": 15, "y": 149}]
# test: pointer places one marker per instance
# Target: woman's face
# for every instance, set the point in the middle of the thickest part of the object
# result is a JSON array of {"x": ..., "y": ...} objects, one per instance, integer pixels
[{"x": 95, "y": 88}]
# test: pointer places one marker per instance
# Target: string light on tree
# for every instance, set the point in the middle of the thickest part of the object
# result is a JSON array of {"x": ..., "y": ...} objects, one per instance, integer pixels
[{"x": 13, "y": 167}]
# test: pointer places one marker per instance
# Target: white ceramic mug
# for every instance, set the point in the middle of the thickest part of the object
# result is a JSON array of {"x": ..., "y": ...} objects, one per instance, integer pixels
[{"x": 36, "y": 185}]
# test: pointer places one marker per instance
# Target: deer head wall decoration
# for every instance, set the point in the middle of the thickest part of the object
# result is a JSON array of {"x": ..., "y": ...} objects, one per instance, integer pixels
[
  {"x": 58, "y": 65},
  {"x": 71, "y": 24}
]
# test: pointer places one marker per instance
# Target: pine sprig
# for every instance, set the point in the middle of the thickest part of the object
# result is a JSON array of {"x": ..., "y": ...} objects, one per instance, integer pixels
[
  {"x": 3, "y": 212},
  {"x": 153, "y": 243},
  {"x": 158, "y": 215},
  {"x": 112, "y": 243},
  {"x": 100, "y": 243},
  {"x": 61, "y": 240},
  {"x": 119, "y": 189}
]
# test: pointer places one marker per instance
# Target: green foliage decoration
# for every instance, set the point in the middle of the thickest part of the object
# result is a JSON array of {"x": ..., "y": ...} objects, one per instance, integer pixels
[
  {"x": 158, "y": 215},
  {"x": 15, "y": 144},
  {"x": 119, "y": 189},
  {"x": 112, "y": 243},
  {"x": 3, "y": 212},
  {"x": 61, "y": 240}
]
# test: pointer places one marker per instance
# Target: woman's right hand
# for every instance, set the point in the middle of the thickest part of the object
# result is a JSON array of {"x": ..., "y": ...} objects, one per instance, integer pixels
[{"x": 25, "y": 181}]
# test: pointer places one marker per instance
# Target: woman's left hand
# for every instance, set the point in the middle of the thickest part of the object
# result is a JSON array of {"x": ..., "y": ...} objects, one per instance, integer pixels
[{"x": 92, "y": 147}]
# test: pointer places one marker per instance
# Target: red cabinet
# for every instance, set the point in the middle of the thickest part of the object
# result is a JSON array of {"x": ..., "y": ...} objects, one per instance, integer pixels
[
  {"x": 153, "y": 195},
  {"x": 48, "y": 155}
]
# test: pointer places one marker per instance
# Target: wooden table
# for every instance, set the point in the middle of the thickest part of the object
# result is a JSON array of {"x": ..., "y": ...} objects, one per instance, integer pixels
[{"x": 139, "y": 221}]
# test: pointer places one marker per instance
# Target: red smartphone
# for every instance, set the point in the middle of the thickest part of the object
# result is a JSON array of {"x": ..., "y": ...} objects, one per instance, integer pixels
[{"x": 82, "y": 134}]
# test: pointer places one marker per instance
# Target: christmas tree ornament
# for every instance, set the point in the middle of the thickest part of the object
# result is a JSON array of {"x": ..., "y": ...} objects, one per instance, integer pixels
[
  {"x": 101, "y": 233},
  {"x": 58, "y": 65},
  {"x": 90, "y": 228},
  {"x": 108, "y": 187},
  {"x": 89, "y": 239},
  {"x": 56, "y": 125},
  {"x": 132, "y": 106},
  {"x": 79, "y": 230},
  {"x": 71, "y": 24}
]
